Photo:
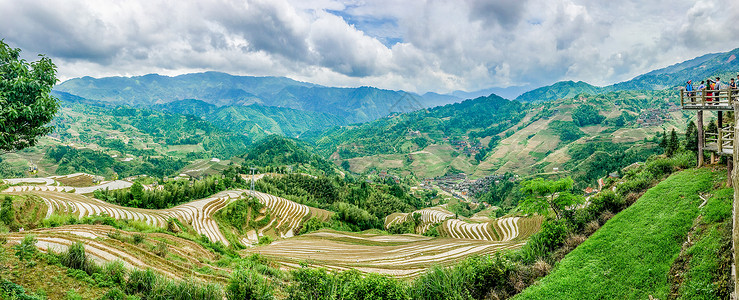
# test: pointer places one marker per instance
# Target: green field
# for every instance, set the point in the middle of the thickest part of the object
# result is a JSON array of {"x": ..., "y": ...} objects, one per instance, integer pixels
[{"x": 631, "y": 255}]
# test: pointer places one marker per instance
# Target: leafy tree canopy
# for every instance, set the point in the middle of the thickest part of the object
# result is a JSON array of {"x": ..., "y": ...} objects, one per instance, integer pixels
[
  {"x": 545, "y": 196},
  {"x": 585, "y": 115},
  {"x": 25, "y": 103}
]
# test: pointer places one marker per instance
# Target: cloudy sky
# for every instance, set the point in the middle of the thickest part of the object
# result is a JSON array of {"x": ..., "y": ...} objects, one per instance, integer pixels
[{"x": 415, "y": 45}]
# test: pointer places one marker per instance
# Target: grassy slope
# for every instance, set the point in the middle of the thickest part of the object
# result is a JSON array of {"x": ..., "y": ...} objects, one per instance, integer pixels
[{"x": 630, "y": 256}]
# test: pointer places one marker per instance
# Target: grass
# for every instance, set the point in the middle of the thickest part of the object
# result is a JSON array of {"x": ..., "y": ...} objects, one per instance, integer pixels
[
  {"x": 630, "y": 256},
  {"x": 708, "y": 274}
]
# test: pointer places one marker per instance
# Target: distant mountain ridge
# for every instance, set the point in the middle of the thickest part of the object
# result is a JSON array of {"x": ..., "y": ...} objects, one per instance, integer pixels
[
  {"x": 725, "y": 65},
  {"x": 559, "y": 90},
  {"x": 360, "y": 104}
]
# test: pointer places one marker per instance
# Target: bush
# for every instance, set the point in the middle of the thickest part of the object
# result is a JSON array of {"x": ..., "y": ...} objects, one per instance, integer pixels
[
  {"x": 374, "y": 287},
  {"x": 265, "y": 240},
  {"x": 246, "y": 284},
  {"x": 140, "y": 282},
  {"x": 76, "y": 258},
  {"x": 184, "y": 290},
  {"x": 115, "y": 272},
  {"x": 114, "y": 294},
  {"x": 312, "y": 283}
]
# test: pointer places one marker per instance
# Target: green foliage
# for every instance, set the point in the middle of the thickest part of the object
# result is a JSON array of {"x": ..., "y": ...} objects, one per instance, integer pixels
[
  {"x": 614, "y": 256},
  {"x": 73, "y": 160},
  {"x": 472, "y": 278},
  {"x": 265, "y": 240},
  {"x": 358, "y": 205},
  {"x": 26, "y": 105},
  {"x": 26, "y": 249},
  {"x": 247, "y": 284},
  {"x": 567, "y": 131},
  {"x": 277, "y": 151},
  {"x": 691, "y": 137},
  {"x": 480, "y": 117},
  {"x": 76, "y": 258},
  {"x": 172, "y": 193},
  {"x": 7, "y": 213},
  {"x": 10, "y": 290},
  {"x": 140, "y": 282},
  {"x": 585, "y": 115},
  {"x": 374, "y": 286},
  {"x": 672, "y": 144},
  {"x": 241, "y": 214},
  {"x": 317, "y": 283},
  {"x": 545, "y": 196},
  {"x": 595, "y": 159}
]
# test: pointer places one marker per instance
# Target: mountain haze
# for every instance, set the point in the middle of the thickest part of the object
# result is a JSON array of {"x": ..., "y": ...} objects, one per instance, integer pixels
[{"x": 360, "y": 104}]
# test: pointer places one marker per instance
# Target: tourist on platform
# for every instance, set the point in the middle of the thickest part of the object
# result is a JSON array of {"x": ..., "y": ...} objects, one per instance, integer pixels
[
  {"x": 717, "y": 88},
  {"x": 701, "y": 88},
  {"x": 709, "y": 90},
  {"x": 689, "y": 88},
  {"x": 732, "y": 86}
]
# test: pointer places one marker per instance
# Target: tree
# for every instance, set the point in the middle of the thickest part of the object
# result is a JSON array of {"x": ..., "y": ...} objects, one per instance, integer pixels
[
  {"x": 26, "y": 105},
  {"x": 26, "y": 250},
  {"x": 545, "y": 196},
  {"x": 691, "y": 137},
  {"x": 585, "y": 115},
  {"x": 672, "y": 144}
]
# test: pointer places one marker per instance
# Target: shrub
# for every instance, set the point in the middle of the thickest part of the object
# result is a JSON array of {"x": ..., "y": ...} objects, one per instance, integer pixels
[
  {"x": 72, "y": 295},
  {"x": 184, "y": 290},
  {"x": 138, "y": 238},
  {"x": 76, "y": 258},
  {"x": 473, "y": 278},
  {"x": 592, "y": 227},
  {"x": 246, "y": 284},
  {"x": 115, "y": 272},
  {"x": 162, "y": 248},
  {"x": 265, "y": 240},
  {"x": 312, "y": 283},
  {"x": 140, "y": 282},
  {"x": 114, "y": 294},
  {"x": 374, "y": 287}
]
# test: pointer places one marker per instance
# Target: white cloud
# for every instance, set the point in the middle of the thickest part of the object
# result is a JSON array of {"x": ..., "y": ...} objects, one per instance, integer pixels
[{"x": 416, "y": 45}]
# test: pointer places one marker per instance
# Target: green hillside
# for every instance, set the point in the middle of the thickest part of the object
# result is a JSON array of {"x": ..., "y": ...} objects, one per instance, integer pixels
[
  {"x": 582, "y": 137},
  {"x": 352, "y": 105},
  {"x": 631, "y": 255},
  {"x": 559, "y": 90},
  {"x": 269, "y": 119}
]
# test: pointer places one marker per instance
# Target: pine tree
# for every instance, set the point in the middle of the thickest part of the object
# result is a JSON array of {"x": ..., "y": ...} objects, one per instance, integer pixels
[
  {"x": 691, "y": 137},
  {"x": 663, "y": 142},
  {"x": 673, "y": 144}
]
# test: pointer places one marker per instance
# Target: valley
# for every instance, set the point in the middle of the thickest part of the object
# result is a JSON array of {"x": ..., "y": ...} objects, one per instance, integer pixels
[{"x": 203, "y": 182}]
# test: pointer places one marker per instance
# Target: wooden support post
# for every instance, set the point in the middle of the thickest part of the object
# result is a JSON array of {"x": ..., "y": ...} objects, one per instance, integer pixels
[
  {"x": 720, "y": 119},
  {"x": 719, "y": 142},
  {"x": 701, "y": 137},
  {"x": 713, "y": 156},
  {"x": 735, "y": 181},
  {"x": 729, "y": 171}
]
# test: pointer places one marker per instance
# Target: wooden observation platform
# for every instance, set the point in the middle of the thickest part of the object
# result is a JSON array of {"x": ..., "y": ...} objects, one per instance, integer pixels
[{"x": 720, "y": 143}]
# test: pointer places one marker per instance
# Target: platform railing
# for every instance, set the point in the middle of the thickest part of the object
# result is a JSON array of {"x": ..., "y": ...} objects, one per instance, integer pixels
[
  {"x": 723, "y": 139},
  {"x": 709, "y": 99}
]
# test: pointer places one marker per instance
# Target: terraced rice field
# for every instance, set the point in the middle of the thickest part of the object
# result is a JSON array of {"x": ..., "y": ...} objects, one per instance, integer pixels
[
  {"x": 111, "y": 185},
  {"x": 287, "y": 217},
  {"x": 503, "y": 229},
  {"x": 286, "y": 220},
  {"x": 429, "y": 217},
  {"x": 76, "y": 179},
  {"x": 100, "y": 247},
  {"x": 404, "y": 255}
]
